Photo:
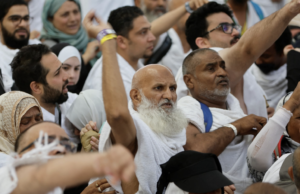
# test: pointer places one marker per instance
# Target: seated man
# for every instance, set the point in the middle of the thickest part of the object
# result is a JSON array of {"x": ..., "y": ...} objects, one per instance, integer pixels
[
  {"x": 192, "y": 172},
  {"x": 36, "y": 170},
  {"x": 270, "y": 69},
  {"x": 37, "y": 71}
]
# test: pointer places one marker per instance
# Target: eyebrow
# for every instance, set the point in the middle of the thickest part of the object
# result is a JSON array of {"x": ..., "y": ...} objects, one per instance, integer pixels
[
  {"x": 71, "y": 65},
  {"x": 145, "y": 28},
  {"x": 215, "y": 63},
  {"x": 17, "y": 16}
]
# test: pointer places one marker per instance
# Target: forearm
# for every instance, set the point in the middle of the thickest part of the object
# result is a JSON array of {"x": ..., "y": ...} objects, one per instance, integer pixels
[
  {"x": 167, "y": 21},
  {"x": 213, "y": 142},
  {"x": 63, "y": 172},
  {"x": 254, "y": 42},
  {"x": 261, "y": 149}
]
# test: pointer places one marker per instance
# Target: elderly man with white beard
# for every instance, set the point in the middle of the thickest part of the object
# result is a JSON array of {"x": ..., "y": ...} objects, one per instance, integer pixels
[{"x": 150, "y": 126}]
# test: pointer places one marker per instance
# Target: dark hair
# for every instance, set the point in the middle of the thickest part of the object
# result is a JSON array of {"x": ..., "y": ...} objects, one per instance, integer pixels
[
  {"x": 284, "y": 40},
  {"x": 5, "y": 5},
  {"x": 196, "y": 24},
  {"x": 27, "y": 67},
  {"x": 121, "y": 19}
]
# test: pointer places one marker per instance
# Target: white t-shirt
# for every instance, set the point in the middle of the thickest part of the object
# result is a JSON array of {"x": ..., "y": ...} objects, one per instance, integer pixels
[
  {"x": 94, "y": 79},
  {"x": 65, "y": 123},
  {"x": 253, "y": 93},
  {"x": 103, "y": 7},
  {"x": 7, "y": 56},
  {"x": 272, "y": 175},
  {"x": 3, "y": 159},
  {"x": 175, "y": 56}
]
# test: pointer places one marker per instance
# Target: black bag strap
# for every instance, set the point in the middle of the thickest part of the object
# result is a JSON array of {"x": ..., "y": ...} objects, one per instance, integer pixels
[{"x": 161, "y": 51}]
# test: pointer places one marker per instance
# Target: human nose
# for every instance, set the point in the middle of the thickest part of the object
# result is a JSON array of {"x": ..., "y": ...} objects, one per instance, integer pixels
[
  {"x": 151, "y": 37},
  {"x": 235, "y": 32},
  {"x": 167, "y": 94},
  {"x": 222, "y": 72},
  {"x": 161, "y": 3}
]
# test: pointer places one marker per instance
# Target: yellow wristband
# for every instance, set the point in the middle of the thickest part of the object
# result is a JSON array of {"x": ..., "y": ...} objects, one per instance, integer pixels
[{"x": 108, "y": 37}]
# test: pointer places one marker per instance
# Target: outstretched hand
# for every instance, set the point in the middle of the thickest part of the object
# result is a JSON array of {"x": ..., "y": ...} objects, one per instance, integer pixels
[
  {"x": 117, "y": 162},
  {"x": 91, "y": 28},
  {"x": 294, "y": 100}
]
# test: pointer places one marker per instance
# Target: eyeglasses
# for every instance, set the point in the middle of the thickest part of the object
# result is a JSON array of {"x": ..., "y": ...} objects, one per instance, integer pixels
[
  {"x": 226, "y": 27},
  {"x": 65, "y": 142},
  {"x": 17, "y": 19}
]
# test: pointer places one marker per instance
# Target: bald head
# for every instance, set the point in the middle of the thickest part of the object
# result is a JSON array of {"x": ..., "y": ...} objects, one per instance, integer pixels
[
  {"x": 148, "y": 73},
  {"x": 32, "y": 133},
  {"x": 196, "y": 58},
  {"x": 263, "y": 188}
]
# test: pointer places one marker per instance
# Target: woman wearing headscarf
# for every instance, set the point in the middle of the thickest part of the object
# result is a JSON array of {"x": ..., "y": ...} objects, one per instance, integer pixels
[
  {"x": 86, "y": 108},
  {"x": 281, "y": 132},
  {"x": 18, "y": 111},
  {"x": 72, "y": 63},
  {"x": 62, "y": 24}
]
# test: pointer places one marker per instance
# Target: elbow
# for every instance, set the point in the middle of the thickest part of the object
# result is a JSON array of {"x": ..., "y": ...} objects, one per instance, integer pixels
[
  {"x": 258, "y": 163},
  {"x": 117, "y": 116}
]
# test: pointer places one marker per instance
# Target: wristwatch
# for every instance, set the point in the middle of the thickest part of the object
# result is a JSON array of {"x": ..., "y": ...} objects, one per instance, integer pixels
[
  {"x": 104, "y": 32},
  {"x": 188, "y": 8},
  {"x": 232, "y": 127}
]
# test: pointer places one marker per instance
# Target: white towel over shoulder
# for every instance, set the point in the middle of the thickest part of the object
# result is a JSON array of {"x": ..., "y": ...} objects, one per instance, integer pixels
[{"x": 153, "y": 150}]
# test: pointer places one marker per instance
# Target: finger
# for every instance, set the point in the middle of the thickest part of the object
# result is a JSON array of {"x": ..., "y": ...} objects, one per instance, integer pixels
[
  {"x": 95, "y": 149},
  {"x": 105, "y": 186},
  {"x": 88, "y": 127},
  {"x": 93, "y": 144},
  {"x": 101, "y": 181},
  {"x": 89, "y": 16},
  {"x": 232, "y": 187},
  {"x": 92, "y": 123},
  {"x": 228, "y": 190}
]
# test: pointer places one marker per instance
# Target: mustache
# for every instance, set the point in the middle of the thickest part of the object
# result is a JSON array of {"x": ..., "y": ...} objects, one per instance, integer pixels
[
  {"x": 20, "y": 29},
  {"x": 164, "y": 101},
  {"x": 160, "y": 9},
  {"x": 218, "y": 79},
  {"x": 66, "y": 83},
  {"x": 235, "y": 39}
]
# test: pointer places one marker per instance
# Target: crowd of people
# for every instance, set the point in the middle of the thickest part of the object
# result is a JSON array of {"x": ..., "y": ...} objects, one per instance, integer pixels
[{"x": 149, "y": 96}]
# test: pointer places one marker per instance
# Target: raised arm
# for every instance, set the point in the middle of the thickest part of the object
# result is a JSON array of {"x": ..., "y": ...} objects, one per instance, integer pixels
[
  {"x": 256, "y": 40},
  {"x": 261, "y": 149},
  {"x": 44, "y": 178},
  {"x": 216, "y": 141},
  {"x": 114, "y": 95},
  {"x": 168, "y": 20}
]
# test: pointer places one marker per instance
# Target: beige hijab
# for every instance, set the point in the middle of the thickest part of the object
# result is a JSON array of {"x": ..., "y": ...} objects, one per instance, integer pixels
[{"x": 13, "y": 105}]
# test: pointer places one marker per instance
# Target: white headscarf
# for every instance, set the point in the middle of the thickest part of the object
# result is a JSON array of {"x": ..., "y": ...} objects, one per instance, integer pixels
[
  {"x": 68, "y": 52},
  {"x": 87, "y": 107}
]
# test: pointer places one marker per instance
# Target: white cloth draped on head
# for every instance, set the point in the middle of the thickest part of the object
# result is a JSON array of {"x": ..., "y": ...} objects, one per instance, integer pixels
[
  {"x": 68, "y": 52},
  {"x": 13, "y": 106},
  {"x": 233, "y": 158},
  {"x": 87, "y": 107}
]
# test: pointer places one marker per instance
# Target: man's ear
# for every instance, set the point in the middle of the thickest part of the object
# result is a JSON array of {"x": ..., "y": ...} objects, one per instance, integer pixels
[
  {"x": 202, "y": 42},
  {"x": 189, "y": 81},
  {"x": 135, "y": 96},
  {"x": 122, "y": 42},
  {"x": 290, "y": 171},
  {"x": 36, "y": 88}
]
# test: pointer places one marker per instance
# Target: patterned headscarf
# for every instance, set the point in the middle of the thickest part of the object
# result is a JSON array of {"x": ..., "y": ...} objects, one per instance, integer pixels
[{"x": 13, "y": 106}]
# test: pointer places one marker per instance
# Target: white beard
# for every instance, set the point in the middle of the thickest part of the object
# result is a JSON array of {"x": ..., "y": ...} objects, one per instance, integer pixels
[
  {"x": 150, "y": 15},
  {"x": 168, "y": 122}
]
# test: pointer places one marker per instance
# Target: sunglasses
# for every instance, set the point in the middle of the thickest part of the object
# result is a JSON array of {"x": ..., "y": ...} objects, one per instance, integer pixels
[
  {"x": 226, "y": 27},
  {"x": 65, "y": 142}
]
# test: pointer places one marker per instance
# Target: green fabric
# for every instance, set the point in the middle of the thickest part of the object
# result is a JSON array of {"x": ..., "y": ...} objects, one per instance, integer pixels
[{"x": 79, "y": 40}]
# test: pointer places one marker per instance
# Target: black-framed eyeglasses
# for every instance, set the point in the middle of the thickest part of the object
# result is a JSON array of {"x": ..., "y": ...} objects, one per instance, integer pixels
[
  {"x": 65, "y": 142},
  {"x": 17, "y": 19},
  {"x": 226, "y": 27}
]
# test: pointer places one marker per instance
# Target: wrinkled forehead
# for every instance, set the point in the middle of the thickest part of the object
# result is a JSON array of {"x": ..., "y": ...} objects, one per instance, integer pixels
[{"x": 207, "y": 57}]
